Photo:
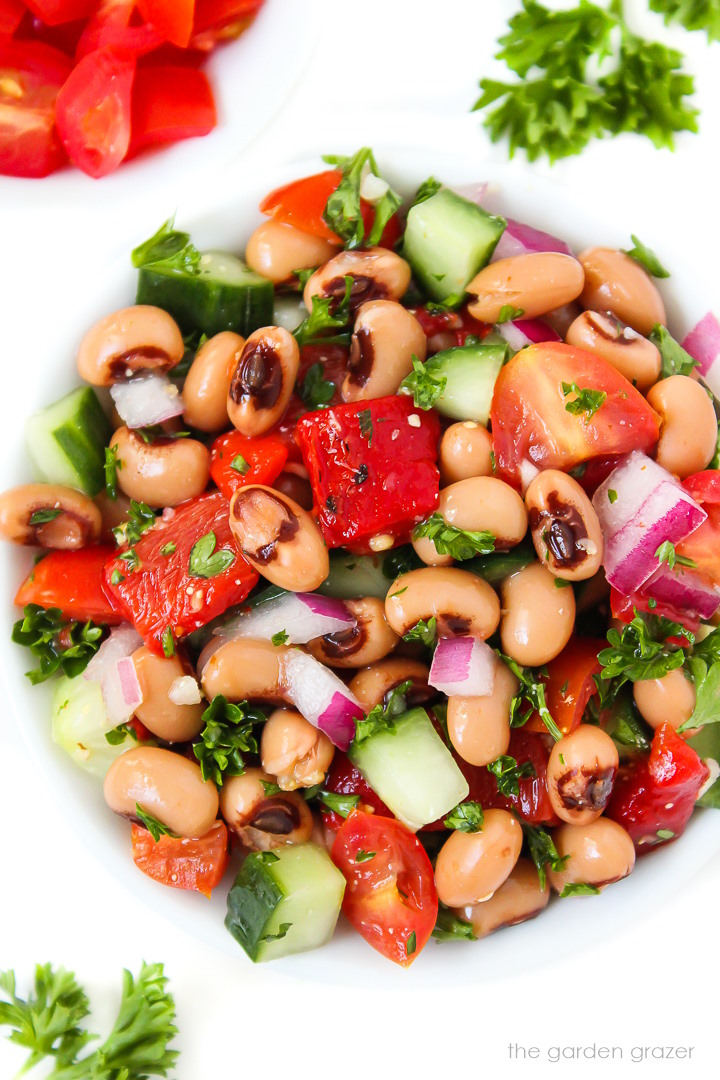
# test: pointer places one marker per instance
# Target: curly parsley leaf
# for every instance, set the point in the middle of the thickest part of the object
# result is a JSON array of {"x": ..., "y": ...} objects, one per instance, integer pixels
[
  {"x": 424, "y": 387},
  {"x": 467, "y": 817},
  {"x": 675, "y": 360},
  {"x": 240, "y": 465},
  {"x": 205, "y": 561},
  {"x": 508, "y": 773},
  {"x": 382, "y": 717},
  {"x": 585, "y": 403},
  {"x": 424, "y": 631},
  {"x": 640, "y": 651},
  {"x": 448, "y": 927},
  {"x": 339, "y": 803},
  {"x": 666, "y": 553},
  {"x": 692, "y": 14},
  {"x": 703, "y": 667},
  {"x": 326, "y": 313},
  {"x": 226, "y": 736},
  {"x": 343, "y": 210},
  {"x": 48, "y": 1022},
  {"x": 119, "y": 734},
  {"x": 316, "y": 391},
  {"x": 154, "y": 827},
  {"x": 461, "y": 544},
  {"x": 647, "y": 258},
  {"x": 169, "y": 247},
  {"x": 543, "y": 852},
  {"x": 140, "y": 518},
  {"x": 540, "y": 38},
  {"x": 579, "y": 888},
  {"x": 530, "y": 698},
  {"x": 55, "y": 642}
]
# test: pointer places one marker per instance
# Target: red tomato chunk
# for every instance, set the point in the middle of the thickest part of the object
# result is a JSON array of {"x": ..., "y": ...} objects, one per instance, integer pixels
[
  {"x": 73, "y": 582},
  {"x": 180, "y": 862},
  {"x": 160, "y": 597},
  {"x": 372, "y": 469}
]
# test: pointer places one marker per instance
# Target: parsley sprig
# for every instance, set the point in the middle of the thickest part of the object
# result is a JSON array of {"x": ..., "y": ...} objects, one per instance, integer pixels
[
  {"x": 207, "y": 562},
  {"x": 667, "y": 553},
  {"x": 382, "y": 717},
  {"x": 327, "y": 313},
  {"x": 343, "y": 211},
  {"x": 227, "y": 735},
  {"x": 171, "y": 248},
  {"x": 641, "y": 651},
  {"x": 424, "y": 387},
  {"x": 530, "y": 698},
  {"x": 140, "y": 518},
  {"x": 449, "y": 927},
  {"x": 461, "y": 544},
  {"x": 674, "y": 359},
  {"x": 508, "y": 773},
  {"x": 55, "y": 642},
  {"x": 646, "y": 258},
  {"x": 586, "y": 401},
  {"x": 315, "y": 390},
  {"x": 467, "y": 817},
  {"x": 692, "y": 14},
  {"x": 543, "y": 852}
]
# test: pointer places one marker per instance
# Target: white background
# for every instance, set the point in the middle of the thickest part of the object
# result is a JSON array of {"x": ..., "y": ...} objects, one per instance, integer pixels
[{"x": 389, "y": 72}]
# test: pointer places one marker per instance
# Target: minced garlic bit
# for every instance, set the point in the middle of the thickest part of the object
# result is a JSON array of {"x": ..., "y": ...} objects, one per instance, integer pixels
[
  {"x": 586, "y": 544},
  {"x": 184, "y": 691},
  {"x": 197, "y": 600},
  {"x": 381, "y": 542},
  {"x": 414, "y": 420}
]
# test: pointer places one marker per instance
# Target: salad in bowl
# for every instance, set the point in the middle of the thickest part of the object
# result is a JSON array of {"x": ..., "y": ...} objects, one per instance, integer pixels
[{"x": 379, "y": 568}]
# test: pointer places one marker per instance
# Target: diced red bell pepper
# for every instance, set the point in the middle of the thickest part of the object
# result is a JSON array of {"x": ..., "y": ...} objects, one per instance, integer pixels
[
  {"x": 72, "y": 581},
  {"x": 372, "y": 469},
  {"x": 11, "y": 13},
  {"x": 569, "y": 684},
  {"x": 654, "y": 796},
  {"x": 160, "y": 597},
  {"x": 265, "y": 456}
]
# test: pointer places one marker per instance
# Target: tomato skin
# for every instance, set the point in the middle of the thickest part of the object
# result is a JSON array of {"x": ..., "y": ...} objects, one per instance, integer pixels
[
  {"x": 302, "y": 202},
  {"x": 372, "y": 483},
  {"x": 530, "y": 422},
  {"x": 703, "y": 545},
  {"x": 11, "y": 14},
  {"x": 34, "y": 73},
  {"x": 533, "y": 802},
  {"x": 155, "y": 596},
  {"x": 392, "y": 895},
  {"x": 266, "y": 457},
  {"x": 72, "y": 581},
  {"x": 658, "y": 792},
  {"x": 93, "y": 111},
  {"x": 170, "y": 103},
  {"x": 182, "y": 863},
  {"x": 216, "y": 14},
  {"x": 575, "y": 666},
  {"x": 53, "y": 12},
  {"x": 345, "y": 779},
  {"x": 172, "y": 18}
]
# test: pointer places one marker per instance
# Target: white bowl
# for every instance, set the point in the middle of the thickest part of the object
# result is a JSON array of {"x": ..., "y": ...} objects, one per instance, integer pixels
[{"x": 224, "y": 218}]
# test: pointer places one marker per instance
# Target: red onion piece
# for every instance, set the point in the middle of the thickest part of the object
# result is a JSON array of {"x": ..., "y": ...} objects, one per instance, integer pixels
[
  {"x": 522, "y": 332},
  {"x": 303, "y": 616},
  {"x": 520, "y": 239},
  {"x": 649, "y": 508},
  {"x": 320, "y": 696},
  {"x": 146, "y": 400},
  {"x": 703, "y": 344},
  {"x": 113, "y": 669},
  {"x": 684, "y": 590},
  {"x": 463, "y": 666}
]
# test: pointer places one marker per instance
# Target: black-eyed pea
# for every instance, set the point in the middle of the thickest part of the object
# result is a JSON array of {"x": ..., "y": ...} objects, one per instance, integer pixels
[
  {"x": 688, "y": 428},
  {"x": 538, "y": 618},
  {"x": 165, "y": 785},
  {"x": 470, "y": 867},
  {"x": 465, "y": 451},
  {"x": 460, "y": 602},
  {"x": 479, "y": 727},
  {"x": 373, "y": 685},
  {"x": 629, "y": 352},
  {"x": 534, "y": 284},
  {"x": 263, "y": 380},
  {"x": 597, "y": 854},
  {"x": 138, "y": 338},
  {"x": 615, "y": 282},
  {"x": 241, "y": 670},
  {"x": 385, "y": 338},
  {"x": 157, "y": 675},
  {"x": 565, "y": 529},
  {"x": 293, "y": 751},
  {"x": 367, "y": 642},
  {"x": 280, "y": 539},
  {"x": 207, "y": 385},
  {"x": 261, "y": 821},
  {"x": 670, "y": 699},
  {"x": 295, "y": 485},
  {"x": 581, "y": 772},
  {"x": 278, "y": 250},
  {"x": 163, "y": 472},
  {"x": 519, "y": 898},
  {"x": 377, "y": 274},
  {"x": 478, "y": 504},
  {"x": 49, "y": 515}
]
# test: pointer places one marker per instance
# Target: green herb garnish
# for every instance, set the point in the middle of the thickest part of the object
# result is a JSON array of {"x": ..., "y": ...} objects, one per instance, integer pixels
[
  {"x": 461, "y": 544},
  {"x": 585, "y": 403},
  {"x": 205, "y": 561},
  {"x": 424, "y": 387},
  {"x": 55, "y": 642},
  {"x": 227, "y": 734},
  {"x": 467, "y": 817},
  {"x": 647, "y": 258}
]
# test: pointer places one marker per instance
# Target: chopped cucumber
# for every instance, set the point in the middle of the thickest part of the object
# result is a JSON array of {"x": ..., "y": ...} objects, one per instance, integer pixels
[
  {"x": 224, "y": 295},
  {"x": 471, "y": 371},
  {"x": 79, "y": 722},
  {"x": 366, "y": 575},
  {"x": 707, "y": 744},
  {"x": 496, "y": 567},
  {"x": 284, "y": 901},
  {"x": 289, "y": 311},
  {"x": 447, "y": 240},
  {"x": 66, "y": 441},
  {"x": 411, "y": 769}
]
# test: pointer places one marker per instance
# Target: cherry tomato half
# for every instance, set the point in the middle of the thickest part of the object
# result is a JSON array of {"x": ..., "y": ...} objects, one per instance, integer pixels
[
  {"x": 93, "y": 111},
  {"x": 31, "y": 74},
  {"x": 180, "y": 862}
]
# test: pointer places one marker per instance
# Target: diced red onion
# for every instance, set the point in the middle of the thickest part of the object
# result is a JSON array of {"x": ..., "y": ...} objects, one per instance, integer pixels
[
  {"x": 703, "y": 344},
  {"x": 463, "y": 666},
  {"x": 520, "y": 239},
  {"x": 522, "y": 332},
  {"x": 303, "y": 616},
  {"x": 320, "y": 696},
  {"x": 146, "y": 400},
  {"x": 113, "y": 668},
  {"x": 184, "y": 691},
  {"x": 684, "y": 590},
  {"x": 649, "y": 507}
]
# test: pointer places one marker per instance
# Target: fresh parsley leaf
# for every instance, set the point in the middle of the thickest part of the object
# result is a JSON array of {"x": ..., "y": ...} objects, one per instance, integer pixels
[
  {"x": 167, "y": 640},
  {"x": 424, "y": 631},
  {"x": 647, "y": 258},
  {"x": 467, "y": 817},
  {"x": 692, "y": 14},
  {"x": 131, "y": 560},
  {"x": 140, "y": 518},
  {"x": 531, "y": 694},
  {"x": 343, "y": 210},
  {"x": 171, "y": 248},
  {"x": 665, "y": 834},
  {"x": 666, "y": 553},
  {"x": 120, "y": 733},
  {"x": 585, "y": 403},
  {"x": 622, "y": 722},
  {"x": 270, "y": 788},
  {"x": 508, "y": 773},
  {"x": 543, "y": 851},
  {"x": 226, "y": 736},
  {"x": 154, "y": 827},
  {"x": 562, "y": 40},
  {"x": 365, "y": 856},
  {"x": 366, "y": 425},
  {"x": 461, "y": 544},
  {"x": 641, "y": 651},
  {"x": 339, "y": 804},
  {"x": 707, "y": 704},
  {"x": 579, "y": 888},
  {"x": 427, "y": 189},
  {"x": 240, "y": 465},
  {"x": 116, "y": 578},
  {"x": 169, "y": 548},
  {"x": 48, "y": 1022},
  {"x": 326, "y": 313},
  {"x": 382, "y": 717},
  {"x": 41, "y": 517},
  {"x": 316, "y": 391},
  {"x": 448, "y": 927},
  {"x": 424, "y": 387},
  {"x": 675, "y": 360},
  {"x": 112, "y": 464},
  {"x": 280, "y": 638},
  {"x": 303, "y": 276},
  {"x": 411, "y": 944},
  {"x": 507, "y": 313},
  {"x": 612, "y": 495},
  {"x": 205, "y": 561},
  {"x": 55, "y": 642}
]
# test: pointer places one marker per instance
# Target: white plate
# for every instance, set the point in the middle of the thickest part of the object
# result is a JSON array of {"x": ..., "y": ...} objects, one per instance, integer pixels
[{"x": 224, "y": 218}]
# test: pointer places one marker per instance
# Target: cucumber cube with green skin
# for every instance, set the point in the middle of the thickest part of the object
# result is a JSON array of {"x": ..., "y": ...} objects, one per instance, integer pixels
[
  {"x": 223, "y": 295},
  {"x": 284, "y": 901},
  {"x": 411, "y": 769},
  {"x": 471, "y": 372},
  {"x": 447, "y": 240},
  {"x": 66, "y": 441},
  {"x": 79, "y": 721},
  {"x": 707, "y": 745}
]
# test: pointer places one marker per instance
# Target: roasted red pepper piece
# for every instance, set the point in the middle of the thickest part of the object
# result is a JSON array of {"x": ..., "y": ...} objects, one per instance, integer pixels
[
  {"x": 161, "y": 597},
  {"x": 654, "y": 796},
  {"x": 265, "y": 456},
  {"x": 623, "y": 608},
  {"x": 533, "y": 801},
  {"x": 73, "y": 582},
  {"x": 372, "y": 469},
  {"x": 345, "y": 779}
]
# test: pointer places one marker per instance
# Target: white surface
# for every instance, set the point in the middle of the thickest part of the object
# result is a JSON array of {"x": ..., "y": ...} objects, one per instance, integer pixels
[{"x": 633, "y": 984}]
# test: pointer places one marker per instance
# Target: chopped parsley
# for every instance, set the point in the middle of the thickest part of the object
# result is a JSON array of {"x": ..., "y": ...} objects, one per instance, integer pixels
[
  {"x": 530, "y": 698},
  {"x": 205, "y": 561},
  {"x": 326, "y": 313},
  {"x": 365, "y": 856},
  {"x": 227, "y": 734},
  {"x": 366, "y": 425},
  {"x": 381, "y": 718},
  {"x": 427, "y": 189},
  {"x": 674, "y": 359},
  {"x": 467, "y": 817},
  {"x": 508, "y": 773},
  {"x": 692, "y": 14},
  {"x": 270, "y": 788},
  {"x": 647, "y": 258},
  {"x": 120, "y": 733},
  {"x": 154, "y": 827},
  {"x": 281, "y": 638},
  {"x": 448, "y": 927},
  {"x": 55, "y": 642},
  {"x": 167, "y": 640},
  {"x": 411, "y": 944},
  {"x": 343, "y": 210},
  {"x": 112, "y": 464},
  {"x": 424, "y": 631},
  {"x": 316, "y": 391},
  {"x": 116, "y": 578},
  {"x": 612, "y": 495},
  {"x": 641, "y": 651},
  {"x": 424, "y": 387},
  {"x": 579, "y": 888},
  {"x": 666, "y": 553},
  {"x": 140, "y": 518},
  {"x": 41, "y": 517},
  {"x": 169, "y": 548},
  {"x": 543, "y": 851},
  {"x": 338, "y": 803},
  {"x": 240, "y": 465},
  {"x": 585, "y": 403},
  {"x": 461, "y": 544},
  {"x": 507, "y": 313},
  {"x": 170, "y": 248}
]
